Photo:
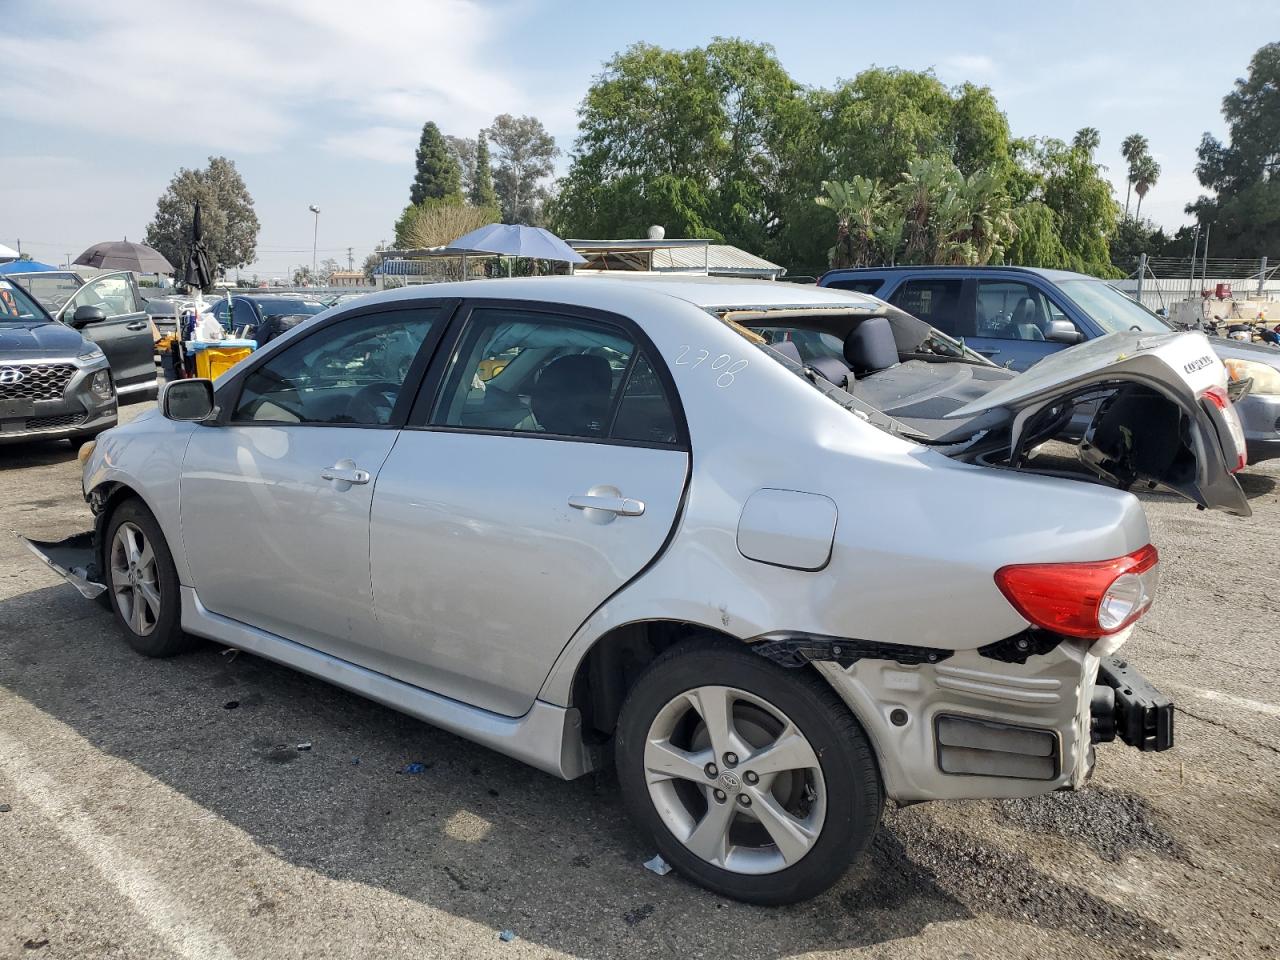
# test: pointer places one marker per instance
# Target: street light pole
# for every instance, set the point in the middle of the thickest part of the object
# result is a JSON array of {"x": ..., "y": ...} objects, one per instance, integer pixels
[{"x": 314, "y": 237}]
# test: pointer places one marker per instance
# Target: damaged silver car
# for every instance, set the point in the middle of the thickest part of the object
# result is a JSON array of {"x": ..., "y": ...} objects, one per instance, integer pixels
[{"x": 603, "y": 521}]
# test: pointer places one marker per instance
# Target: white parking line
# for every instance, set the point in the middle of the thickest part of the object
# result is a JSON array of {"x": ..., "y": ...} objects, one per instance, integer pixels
[
  {"x": 159, "y": 908},
  {"x": 1256, "y": 706}
]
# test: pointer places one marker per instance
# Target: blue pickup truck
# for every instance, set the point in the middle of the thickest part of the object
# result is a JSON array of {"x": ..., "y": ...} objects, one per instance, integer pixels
[{"x": 1019, "y": 315}]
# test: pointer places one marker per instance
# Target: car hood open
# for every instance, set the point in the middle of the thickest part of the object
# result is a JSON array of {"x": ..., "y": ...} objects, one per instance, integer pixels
[{"x": 1167, "y": 420}]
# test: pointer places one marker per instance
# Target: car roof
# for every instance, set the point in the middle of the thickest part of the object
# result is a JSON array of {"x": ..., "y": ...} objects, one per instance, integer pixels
[
  {"x": 612, "y": 291},
  {"x": 1046, "y": 272}
]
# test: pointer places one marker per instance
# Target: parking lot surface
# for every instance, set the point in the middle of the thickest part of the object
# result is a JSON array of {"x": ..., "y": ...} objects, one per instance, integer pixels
[{"x": 219, "y": 806}]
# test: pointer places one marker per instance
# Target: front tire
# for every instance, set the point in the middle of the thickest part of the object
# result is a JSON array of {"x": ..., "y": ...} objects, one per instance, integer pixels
[
  {"x": 753, "y": 780},
  {"x": 142, "y": 582}
]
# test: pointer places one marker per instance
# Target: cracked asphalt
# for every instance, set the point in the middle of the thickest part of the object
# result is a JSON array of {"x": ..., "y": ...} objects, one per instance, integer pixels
[{"x": 220, "y": 806}]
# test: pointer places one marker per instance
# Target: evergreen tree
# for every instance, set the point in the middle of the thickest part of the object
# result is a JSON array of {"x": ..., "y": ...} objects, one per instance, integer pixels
[
  {"x": 482, "y": 192},
  {"x": 438, "y": 175}
]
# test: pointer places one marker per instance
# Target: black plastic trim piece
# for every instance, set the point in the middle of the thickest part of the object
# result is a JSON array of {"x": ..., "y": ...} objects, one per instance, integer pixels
[
  {"x": 1021, "y": 646},
  {"x": 1143, "y": 715},
  {"x": 797, "y": 649}
]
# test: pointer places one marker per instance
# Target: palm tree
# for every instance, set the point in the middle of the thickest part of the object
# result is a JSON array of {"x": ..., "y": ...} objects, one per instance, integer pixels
[
  {"x": 859, "y": 205},
  {"x": 1087, "y": 139},
  {"x": 1132, "y": 148},
  {"x": 991, "y": 225},
  {"x": 1145, "y": 177},
  {"x": 921, "y": 189}
]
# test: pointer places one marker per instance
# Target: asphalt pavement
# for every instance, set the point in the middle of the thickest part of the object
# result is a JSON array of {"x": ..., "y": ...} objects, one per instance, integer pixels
[{"x": 220, "y": 806}]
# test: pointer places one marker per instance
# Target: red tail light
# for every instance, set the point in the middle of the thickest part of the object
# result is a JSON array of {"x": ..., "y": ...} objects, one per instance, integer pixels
[
  {"x": 1083, "y": 599},
  {"x": 1219, "y": 398}
]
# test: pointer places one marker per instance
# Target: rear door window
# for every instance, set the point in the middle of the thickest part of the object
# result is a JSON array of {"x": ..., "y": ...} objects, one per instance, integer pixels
[
  {"x": 526, "y": 372},
  {"x": 936, "y": 301}
]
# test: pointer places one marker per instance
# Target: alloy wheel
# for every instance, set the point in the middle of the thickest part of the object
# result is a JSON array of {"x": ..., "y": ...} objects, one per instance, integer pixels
[
  {"x": 735, "y": 780},
  {"x": 135, "y": 579}
]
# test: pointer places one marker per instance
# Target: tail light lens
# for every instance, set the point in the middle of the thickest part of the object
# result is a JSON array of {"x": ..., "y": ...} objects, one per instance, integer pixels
[
  {"x": 1219, "y": 398},
  {"x": 1083, "y": 599}
]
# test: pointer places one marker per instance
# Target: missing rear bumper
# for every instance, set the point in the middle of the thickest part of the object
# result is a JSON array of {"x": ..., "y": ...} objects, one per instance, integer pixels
[{"x": 1126, "y": 705}]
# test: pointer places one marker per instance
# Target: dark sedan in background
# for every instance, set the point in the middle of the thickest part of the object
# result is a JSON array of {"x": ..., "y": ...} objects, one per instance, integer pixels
[{"x": 246, "y": 312}]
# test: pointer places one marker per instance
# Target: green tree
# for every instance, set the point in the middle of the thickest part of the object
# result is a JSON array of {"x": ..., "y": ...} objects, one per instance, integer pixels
[
  {"x": 227, "y": 217},
  {"x": 463, "y": 151},
  {"x": 525, "y": 155},
  {"x": 706, "y": 142},
  {"x": 372, "y": 261},
  {"x": 437, "y": 176},
  {"x": 1133, "y": 148},
  {"x": 482, "y": 193},
  {"x": 1244, "y": 174}
]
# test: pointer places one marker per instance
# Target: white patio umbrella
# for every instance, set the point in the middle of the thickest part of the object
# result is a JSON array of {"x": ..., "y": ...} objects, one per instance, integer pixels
[
  {"x": 517, "y": 240},
  {"x": 8, "y": 253}
]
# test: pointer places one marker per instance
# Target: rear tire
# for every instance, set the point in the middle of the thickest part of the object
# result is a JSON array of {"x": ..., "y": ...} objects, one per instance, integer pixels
[
  {"x": 724, "y": 803},
  {"x": 142, "y": 582}
]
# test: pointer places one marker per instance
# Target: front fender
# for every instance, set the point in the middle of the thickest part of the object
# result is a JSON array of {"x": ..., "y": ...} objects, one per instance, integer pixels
[{"x": 145, "y": 457}]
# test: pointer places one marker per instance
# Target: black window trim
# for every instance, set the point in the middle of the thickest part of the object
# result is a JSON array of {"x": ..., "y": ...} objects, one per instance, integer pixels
[
  {"x": 227, "y": 396},
  {"x": 431, "y": 385}
]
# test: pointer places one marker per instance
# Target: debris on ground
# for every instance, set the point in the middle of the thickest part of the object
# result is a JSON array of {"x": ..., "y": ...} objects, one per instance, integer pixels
[
  {"x": 643, "y": 912},
  {"x": 5, "y": 808},
  {"x": 658, "y": 865},
  {"x": 413, "y": 769},
  {"x": 36, "y": 944},
  {"x": 231, "y": 705},
  {"x": 305, "y": 745},
  {"x": 506, "y": 936}
]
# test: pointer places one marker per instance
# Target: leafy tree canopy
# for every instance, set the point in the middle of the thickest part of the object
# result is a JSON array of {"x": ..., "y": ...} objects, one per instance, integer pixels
[
  {"x": 227, "y": 218},
  {"x": 1245, "y": 173},
  {"x": 525, "y": 155},
  {"x": 720, "y": 142}
]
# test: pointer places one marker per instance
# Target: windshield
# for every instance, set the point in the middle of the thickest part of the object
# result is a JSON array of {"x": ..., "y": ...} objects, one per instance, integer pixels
[
  {"x": 53, "y": 290},
  {"x": 17, "y": 307},
  {"x": 1111, "y": 309}
]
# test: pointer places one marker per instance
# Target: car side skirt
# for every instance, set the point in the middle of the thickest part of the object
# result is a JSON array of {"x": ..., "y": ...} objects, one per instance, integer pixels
[{"x": 548, "y": 737}]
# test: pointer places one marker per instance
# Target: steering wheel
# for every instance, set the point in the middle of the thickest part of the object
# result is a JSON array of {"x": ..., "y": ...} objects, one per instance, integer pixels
[{"x": 373, "y": 403}]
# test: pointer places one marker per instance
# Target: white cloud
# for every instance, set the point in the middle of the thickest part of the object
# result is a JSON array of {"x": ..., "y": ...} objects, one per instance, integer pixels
[{"x": 246, "y": 70}]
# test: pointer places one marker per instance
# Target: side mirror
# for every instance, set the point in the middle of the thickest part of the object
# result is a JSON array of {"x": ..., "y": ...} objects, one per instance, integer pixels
[
  {"x": 86, "y": 315},
  {"x": 187, "y": 400},
  {"x": 1063, "y": 331}
]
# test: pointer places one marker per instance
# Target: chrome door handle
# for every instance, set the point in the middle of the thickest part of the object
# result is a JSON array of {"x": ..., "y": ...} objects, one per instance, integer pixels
[
  {"x": 346, "y": 471},
  {"x": 619, "y": 506}
]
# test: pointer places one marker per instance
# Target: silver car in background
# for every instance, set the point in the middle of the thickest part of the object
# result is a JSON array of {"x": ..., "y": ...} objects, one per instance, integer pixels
[{"x": 600, "y": 521}]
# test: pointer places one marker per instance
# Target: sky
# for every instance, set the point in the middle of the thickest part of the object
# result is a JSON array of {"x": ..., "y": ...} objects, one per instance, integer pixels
[{"x": 321, "y": 102}]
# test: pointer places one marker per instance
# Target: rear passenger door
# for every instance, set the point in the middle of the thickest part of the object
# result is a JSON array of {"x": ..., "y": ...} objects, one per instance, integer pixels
[
  {"x": 125, "y": 334},
  {"x": 541, "y": 470}
]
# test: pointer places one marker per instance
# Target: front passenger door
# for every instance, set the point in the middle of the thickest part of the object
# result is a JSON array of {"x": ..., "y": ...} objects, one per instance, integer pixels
[
  {"x": 294, "y": 461},
  {"x": 125, "y": 334}
]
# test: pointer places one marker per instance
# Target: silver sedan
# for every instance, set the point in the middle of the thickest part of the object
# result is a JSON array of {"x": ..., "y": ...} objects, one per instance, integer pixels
[{"x": 591, "y": 521}]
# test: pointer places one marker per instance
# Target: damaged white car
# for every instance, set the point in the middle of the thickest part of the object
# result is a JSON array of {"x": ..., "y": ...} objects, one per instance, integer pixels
[{"x": 595, "y": 521}]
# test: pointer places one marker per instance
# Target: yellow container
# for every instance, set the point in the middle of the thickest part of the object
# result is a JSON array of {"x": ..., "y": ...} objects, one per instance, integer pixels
[{"x": 212, "y": 362}]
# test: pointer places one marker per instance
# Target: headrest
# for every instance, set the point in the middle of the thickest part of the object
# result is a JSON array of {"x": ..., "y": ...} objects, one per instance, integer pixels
[
  {"x": 788, "y": 349},
  {"x": 871, "y": 347},
  {"x": 571, "y": 395}
]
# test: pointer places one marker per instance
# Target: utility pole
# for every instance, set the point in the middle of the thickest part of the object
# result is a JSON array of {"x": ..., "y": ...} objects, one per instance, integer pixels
[
  {"x": 1142, "y": 273},
  {"x": 1195, "y": 250},
  {"x": 351, "y": 263},
  {"x": 1262, "y": 278}
]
